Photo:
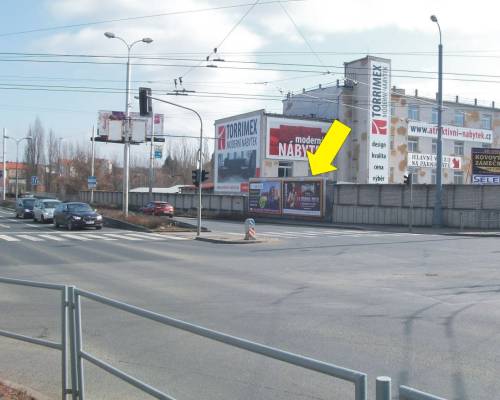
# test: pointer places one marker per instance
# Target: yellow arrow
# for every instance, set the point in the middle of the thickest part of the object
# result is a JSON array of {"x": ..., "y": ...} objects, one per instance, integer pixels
[{"x": 321, "y": 161}]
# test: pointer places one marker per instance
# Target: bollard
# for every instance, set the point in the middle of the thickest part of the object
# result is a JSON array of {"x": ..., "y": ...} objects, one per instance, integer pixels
[
  {"x": 383, "y": 388},
  {"x": 250, "y": 229}
]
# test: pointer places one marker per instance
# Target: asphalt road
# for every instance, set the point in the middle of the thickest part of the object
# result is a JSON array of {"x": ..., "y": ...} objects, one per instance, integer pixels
[{"x": 422, "y": 309}]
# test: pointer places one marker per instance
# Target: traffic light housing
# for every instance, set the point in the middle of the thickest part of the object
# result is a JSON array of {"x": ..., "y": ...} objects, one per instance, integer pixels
[
  {"x": 407, "y": 179},
  {"x": 196, "y": 177},
  {"x": 145, "y": 102},
  {"x": 204, "y": 175}
]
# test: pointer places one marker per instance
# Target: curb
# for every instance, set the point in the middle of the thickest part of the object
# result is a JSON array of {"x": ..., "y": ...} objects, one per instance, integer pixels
[
  {"x": 227, "y": 241},
  {"x": 119, "y": 224},
  {"x": 476, "y": 235},
  {"x": 30, "y": 392}
]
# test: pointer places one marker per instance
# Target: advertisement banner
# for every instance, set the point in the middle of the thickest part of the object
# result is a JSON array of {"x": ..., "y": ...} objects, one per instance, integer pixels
[
  {"x": 430, "y": 161},
  {"x": 110, "y": 125},
  {"x": 264, "y": 197},
  {"x": 485, "y": 166},
  {"x": 236, "y": 153},
  {"x": 290, "y": 139},
  {"x": 379, "y": 121},
  {"x": 424, "y": 129},
  {"x": 303, "y": 198}
]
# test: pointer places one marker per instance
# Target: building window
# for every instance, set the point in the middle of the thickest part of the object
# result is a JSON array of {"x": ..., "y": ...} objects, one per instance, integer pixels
[
  {"x": 285, "y": 169},
  {"x": 412, "y": 145},
  {"x": 434, "y": 146},
  {"x": 459, "y": 118},
  {"x": 458, "y": 148},
  {"x": 458, "y": 178},
  {"x": 413, "y": 112},
  {"x": 485, "y": 121},
  {"x": 434, "y": 116},
  {"x": 433, "y": 177}
]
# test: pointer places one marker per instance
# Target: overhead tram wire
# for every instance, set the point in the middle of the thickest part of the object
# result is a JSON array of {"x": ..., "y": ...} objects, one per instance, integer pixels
[{"x": 106, "y": 21}]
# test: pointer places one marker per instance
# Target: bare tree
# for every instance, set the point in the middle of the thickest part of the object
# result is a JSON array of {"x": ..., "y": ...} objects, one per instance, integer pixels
[
  {"x": 34, "y": 155},
  {"x": 51, "y": 170}
]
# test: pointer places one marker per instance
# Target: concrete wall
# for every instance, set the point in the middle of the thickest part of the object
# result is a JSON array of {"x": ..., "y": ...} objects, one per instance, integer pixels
[
  {"x": 185, "y": 204},
  {"x": 468, "y": 206}
]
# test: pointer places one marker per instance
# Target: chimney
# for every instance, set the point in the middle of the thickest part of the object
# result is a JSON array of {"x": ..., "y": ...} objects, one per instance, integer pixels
[
  {"x": 416, "y": 92},
  {"x": 303, "y": 90},
  {"x": 456, "y": 99},
  {"x": 319, "y": 86}
]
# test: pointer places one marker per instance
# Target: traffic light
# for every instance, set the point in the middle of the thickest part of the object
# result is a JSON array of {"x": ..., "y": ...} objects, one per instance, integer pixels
[
  {"x": 196, "y": 177},
  {"x": 407, "y": 179},
  {"x": 145, "y": 103},
  {"x": 204, "y": 175}
]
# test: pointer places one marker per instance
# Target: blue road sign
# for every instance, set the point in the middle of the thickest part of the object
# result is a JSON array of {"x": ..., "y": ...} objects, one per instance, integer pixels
[
  {"x": 92, "y": 182},
  {"x": 34, "y": 180},
  {"x": 157, "y": 154}
]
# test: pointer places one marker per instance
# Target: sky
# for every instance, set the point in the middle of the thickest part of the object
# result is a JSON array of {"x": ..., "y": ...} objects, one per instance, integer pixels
[{"x": 313, "y": 37}]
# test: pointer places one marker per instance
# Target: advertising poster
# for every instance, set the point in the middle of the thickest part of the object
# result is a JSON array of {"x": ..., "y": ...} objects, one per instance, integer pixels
[
  {"x": 485, "y": 166},
  {"x": 420, "y": 160},
  {"x": 236, "y": 154},
  {"x": 265, "y": 197},
  {"x": 290, "y": 139},
  {"x": 379, "y": 121},
  {"x": 424, "y": 129},
  {"x": 303, "y": 198},
  {"x": 110, "y": 125}
]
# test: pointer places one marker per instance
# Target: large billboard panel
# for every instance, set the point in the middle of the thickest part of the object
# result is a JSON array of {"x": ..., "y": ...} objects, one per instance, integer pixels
[
  {"x": 237, "y": 155},
  {"x": 421, "y": 160},
  {"x": 110, "y": 124},
  {"x": 303, "y": 197},
  {"x": 424, "y": 129},
  {"x": 290, "y": 139},
  {"x": 264, "y": 197},
  {"x": 485, "y": 166},
  {"x": 379, "y": 120}
]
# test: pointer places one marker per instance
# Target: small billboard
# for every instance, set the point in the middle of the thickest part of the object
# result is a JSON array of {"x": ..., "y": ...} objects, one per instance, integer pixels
[
  {"x": 485, "y": 166},
  {"x": 264, "y": 197}
]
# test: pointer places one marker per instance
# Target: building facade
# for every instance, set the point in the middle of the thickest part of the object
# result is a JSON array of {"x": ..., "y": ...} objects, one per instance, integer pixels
[{"x": 393, "y": 133}]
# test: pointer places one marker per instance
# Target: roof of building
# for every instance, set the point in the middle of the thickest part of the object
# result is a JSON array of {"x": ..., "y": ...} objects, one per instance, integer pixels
[{"x": 172, "y": 189}]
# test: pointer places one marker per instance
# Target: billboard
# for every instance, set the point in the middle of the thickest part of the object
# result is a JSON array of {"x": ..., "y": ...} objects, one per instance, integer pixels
[
  {"x": 424, "y": 129},
  {"x": 237, "y": 155},
  {"x": 290, "y": 139},
  {"x": 303, "y": 198},
  {"x": 264, "y": 197},
  {"x": 379, "y": 120},
  {"x": 110, "y": 125},
  {"x": 430, "y": 161},
  {"x": 485, "y": 166}
]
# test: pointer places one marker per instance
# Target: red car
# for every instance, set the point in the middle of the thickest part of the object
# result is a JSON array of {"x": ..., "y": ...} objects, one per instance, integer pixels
[{"x": 158, "y": 208}]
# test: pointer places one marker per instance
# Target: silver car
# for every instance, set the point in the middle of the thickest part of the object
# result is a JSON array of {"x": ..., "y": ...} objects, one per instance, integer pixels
[{"x": 43, "y": 210}]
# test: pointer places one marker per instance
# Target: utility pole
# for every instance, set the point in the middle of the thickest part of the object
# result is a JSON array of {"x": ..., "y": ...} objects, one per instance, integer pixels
[
  {"x": 92, "y": 165},
  {"x": 151, "y": 155},
  {"x": 4, "y": 177},
  {"x": 438, "y": 204}
]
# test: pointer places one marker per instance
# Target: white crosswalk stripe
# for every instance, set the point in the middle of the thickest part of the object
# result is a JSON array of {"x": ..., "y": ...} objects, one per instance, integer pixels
[
  {"x": 4, "y": 226},
  {"x": 143, "y": 236},
  {"x": 99, "y": 237},
  {"x": 76, "y": 237},
  {"x": 9, "y": 238},
  {"x": 30, "y": 237},
  {"x": 53, "y": 237},
  {"x": 114, "y": 235}
]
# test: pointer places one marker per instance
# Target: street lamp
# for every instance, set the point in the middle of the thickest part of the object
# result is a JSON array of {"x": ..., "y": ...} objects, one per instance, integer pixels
[
  {"x": 17, "y": 158},
  {"x": 4, "y": 178},
  {"x": 438, "y": 204},
  {"x": 126, "y": 150}
]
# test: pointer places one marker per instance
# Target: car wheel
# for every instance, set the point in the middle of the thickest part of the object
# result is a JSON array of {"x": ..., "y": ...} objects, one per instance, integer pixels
[
  {"x": 56, "y": 225},
  {"x": 98, "y": 228},
  {"x": 69, "y": 226}
]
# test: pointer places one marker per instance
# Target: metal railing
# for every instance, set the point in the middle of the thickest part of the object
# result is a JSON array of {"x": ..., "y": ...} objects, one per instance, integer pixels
[
  {"x": 62, "y": 345},
  {"x": 72, "y": 339}
]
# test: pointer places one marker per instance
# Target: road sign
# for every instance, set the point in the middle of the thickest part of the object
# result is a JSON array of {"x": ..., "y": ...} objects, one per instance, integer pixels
[
  {"x": 34, "y": 180},
  {"x": 158, "y": 152},
  {"x": 92, "y": 182}
]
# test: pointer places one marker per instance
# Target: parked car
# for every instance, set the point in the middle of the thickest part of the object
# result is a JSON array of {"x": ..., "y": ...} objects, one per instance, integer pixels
[
  {"x": 76, "y": 215},
  {"x": 24, "y": 207},
  {"x": 158, "y": 208},
  {"x": 43, "y": 210}
]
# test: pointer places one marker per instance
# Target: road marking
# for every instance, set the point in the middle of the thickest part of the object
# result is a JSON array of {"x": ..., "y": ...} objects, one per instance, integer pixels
[
  {"x": 121, "y": 236},
  {"x": 174, "y": 237},
  {"x": 53, "y": 237},
  {"x": 8, "y": 238},
  {"x": 100, "y": 237},
  {"x": 32, "y": 238},
  {"x": 34, "y": 225},
  {"x": 77, "y": 237},
  {"x": 4, "y": 226},
  {"x": 144, "y": 236},
  {"x": 13, "y": 220}
]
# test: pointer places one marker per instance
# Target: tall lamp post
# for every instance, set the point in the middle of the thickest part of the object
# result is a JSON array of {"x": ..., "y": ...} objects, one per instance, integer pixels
[
  {"x": 438, "y": 204},
  {"x": 4, "y": 173},
  {"x": 126, "y": 150},
  {"x": 17, "y": 159}
]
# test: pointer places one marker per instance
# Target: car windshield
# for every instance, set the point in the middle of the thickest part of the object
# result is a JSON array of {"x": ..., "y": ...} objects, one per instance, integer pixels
[
  {"x": 50, "y": 204},
  {"x": 28, "y": 202},
  {"x": 79, "y": 207}
]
